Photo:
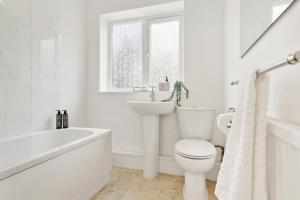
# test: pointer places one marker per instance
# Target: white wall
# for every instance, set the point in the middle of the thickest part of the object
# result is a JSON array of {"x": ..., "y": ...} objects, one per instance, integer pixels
[
  {"x": 42, "y": 64},
  {"x": 282, "y": 39},
  {"x": 59, "y": 75},
  {"x": 204, "y": 64},
  {"x": 203, "y": 59},
  {"x": 74, "y": 60},
  {"x": 15, "y": 68}
]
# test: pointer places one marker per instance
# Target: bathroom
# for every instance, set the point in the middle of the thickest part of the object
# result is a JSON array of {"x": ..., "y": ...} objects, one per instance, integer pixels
[{"x": 122, "y": 137}]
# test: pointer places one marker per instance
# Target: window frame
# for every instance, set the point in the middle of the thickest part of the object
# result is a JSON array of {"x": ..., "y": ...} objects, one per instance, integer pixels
[{"x": 146, "y": 23}]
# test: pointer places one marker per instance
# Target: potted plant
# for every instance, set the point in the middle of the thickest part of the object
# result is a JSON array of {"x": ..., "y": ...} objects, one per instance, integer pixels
[{"x": 179, "y": 88}]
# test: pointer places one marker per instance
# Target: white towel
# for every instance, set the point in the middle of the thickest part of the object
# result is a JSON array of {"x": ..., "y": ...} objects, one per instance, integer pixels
[{"x": 243, "y": 171}]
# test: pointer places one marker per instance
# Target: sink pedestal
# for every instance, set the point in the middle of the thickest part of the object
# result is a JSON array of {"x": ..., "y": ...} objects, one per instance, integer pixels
[
  {"x": 150, "y": 111},
  {"x": 151, "y": 145}
]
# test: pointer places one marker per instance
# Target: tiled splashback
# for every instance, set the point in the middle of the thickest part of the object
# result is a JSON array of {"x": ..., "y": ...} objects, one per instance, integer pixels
[{"x": 29, "y": 65}]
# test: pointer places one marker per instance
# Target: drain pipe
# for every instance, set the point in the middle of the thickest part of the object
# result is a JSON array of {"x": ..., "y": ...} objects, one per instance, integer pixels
[{"x": 222, "y": 151}]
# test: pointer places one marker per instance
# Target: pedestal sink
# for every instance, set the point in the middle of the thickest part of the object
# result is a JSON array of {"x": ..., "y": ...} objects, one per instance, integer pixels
[{"x": 150, "y": 112}]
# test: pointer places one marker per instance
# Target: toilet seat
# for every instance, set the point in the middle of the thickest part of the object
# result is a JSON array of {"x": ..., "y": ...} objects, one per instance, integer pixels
[
  {"x": 195, "y": 149},
  {"x": 194, "y": 157}
]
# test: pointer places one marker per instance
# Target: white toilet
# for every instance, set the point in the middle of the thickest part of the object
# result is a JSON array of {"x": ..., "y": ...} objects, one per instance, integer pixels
[{"x": 194, "y": 153}]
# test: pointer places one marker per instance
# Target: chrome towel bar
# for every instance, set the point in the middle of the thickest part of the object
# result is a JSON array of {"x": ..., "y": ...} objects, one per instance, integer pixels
[{"x": 292, "y": 59}]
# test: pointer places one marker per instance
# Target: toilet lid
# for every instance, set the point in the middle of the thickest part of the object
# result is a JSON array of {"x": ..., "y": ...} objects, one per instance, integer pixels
[{"x": 195, "y": 148}]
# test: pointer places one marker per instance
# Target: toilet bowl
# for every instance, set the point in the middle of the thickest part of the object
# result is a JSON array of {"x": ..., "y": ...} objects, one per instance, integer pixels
[
  {"x": 196, "y": 158},
  {"x": 194, "y": 153}
]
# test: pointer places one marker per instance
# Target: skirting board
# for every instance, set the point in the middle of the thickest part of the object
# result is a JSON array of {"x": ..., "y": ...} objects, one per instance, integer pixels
[{"x": 168, "y": 164}]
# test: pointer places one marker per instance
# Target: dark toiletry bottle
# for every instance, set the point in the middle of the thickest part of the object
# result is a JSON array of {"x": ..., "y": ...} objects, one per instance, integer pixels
[
  {"x": 65, "y": 119},
  {"x": 167, "y": 84},
  {"x": 58, "y": 120}
]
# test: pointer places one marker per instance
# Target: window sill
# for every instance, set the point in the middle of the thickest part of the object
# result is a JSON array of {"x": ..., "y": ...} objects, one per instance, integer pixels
[
  {"x": 115, "y": 92},
  {"x": 130, "y": 92}
]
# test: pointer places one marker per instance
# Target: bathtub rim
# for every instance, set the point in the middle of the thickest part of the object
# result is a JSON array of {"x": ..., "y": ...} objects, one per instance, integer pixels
[{"x": 53, "y": 153}]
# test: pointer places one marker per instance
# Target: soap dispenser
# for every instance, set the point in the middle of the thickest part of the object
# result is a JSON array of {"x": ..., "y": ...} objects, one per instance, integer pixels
[
  {"x": 167, "y": 84},
  {"x": 65, "y": 119},
  {"x": 58, "y": 120},
  {"x": 164, "y": 86}
]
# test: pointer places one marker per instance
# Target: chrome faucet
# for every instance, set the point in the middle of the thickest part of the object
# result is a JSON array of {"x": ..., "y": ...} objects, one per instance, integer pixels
[
  {"x": 145, "y": 89},
  {"x": 152, "y": 94}
]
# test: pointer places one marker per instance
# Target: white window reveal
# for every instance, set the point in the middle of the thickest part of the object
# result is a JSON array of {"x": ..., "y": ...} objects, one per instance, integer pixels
[
  {"x": 144, "y": 52},
  {"x": 140, "y": 46}
]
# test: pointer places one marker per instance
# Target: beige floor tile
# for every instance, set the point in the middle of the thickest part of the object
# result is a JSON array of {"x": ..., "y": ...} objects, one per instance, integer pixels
[{"x": 128, "y": 184}]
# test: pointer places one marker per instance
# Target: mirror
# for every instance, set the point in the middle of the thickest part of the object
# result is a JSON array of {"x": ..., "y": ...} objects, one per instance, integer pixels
[{"x": 256, "y": 18}]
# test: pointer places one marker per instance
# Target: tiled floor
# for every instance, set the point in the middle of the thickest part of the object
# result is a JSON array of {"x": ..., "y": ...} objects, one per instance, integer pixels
[{"x": 127, "y": 184}]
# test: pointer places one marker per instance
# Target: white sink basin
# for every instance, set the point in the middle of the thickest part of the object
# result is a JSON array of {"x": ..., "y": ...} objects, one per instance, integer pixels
[
  {"x": 152, "y": 108},
  {"x": 224, "y": 123}
]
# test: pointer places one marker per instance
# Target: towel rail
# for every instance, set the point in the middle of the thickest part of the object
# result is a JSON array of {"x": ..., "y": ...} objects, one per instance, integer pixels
[{"x": 292, "y": 59}]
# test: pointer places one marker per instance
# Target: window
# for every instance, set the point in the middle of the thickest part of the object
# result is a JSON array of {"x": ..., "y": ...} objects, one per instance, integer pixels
[
  {"x": 127, "y": 54},
  {"x": 144, "y": 52}
]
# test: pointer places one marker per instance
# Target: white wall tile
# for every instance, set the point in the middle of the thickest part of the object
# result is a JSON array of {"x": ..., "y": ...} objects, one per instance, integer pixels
[
  {"x": 31, "y": 50},
  {"x": 15, "y": 62}
]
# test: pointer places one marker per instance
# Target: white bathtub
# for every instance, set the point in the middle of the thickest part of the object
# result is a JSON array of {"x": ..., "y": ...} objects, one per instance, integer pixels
[{"x": 70, "y": 164}]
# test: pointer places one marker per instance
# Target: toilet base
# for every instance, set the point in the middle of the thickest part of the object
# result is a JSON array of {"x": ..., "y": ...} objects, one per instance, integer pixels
[{"x": 195, "y": 187}]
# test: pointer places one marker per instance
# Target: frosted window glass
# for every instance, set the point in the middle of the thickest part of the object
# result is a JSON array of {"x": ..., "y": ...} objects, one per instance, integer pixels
[
  {"x": 164, "y": 51},
  {"x": 127, "y": 55}
]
